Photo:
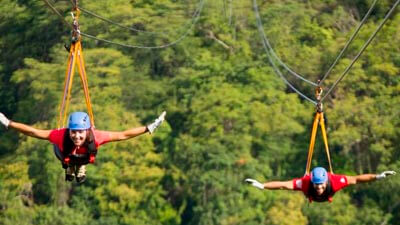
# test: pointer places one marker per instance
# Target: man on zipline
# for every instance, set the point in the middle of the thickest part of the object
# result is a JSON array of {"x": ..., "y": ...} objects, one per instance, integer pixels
[
  {"x": 319, "y": 186},
  {"x": 76, "y": 145}
]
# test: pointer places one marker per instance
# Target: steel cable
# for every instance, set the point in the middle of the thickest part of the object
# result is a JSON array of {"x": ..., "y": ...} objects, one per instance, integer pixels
[
  {"x": 348, "y": 42},
  {"x": 195, "y": 19},
  {"x": 271, "y": 50},
  {"x": 362, "y": 49},
  {"x": 277, "y": 71},
  {"x": 130, "y": 28}
]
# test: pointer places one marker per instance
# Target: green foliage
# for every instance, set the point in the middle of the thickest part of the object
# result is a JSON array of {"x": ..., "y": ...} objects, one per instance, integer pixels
[
  {"x": 287, "y": 210},
  {"x": 341, "y": 211},
  {"x": 229, "y": 116}
]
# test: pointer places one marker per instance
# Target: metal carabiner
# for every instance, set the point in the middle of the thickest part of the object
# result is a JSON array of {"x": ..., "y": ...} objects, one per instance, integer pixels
[
  {"x": 76, "y": 31},
  {"x": 318, "y": 96}
]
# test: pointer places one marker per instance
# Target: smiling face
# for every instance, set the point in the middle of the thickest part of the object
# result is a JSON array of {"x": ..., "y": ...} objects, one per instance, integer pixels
[
  {"x": 320, "y": 188},
  {"x": 78, "y": 136}
]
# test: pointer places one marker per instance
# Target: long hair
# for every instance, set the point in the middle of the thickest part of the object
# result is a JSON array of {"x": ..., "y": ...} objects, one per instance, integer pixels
[{"x": 69, "y": 145}]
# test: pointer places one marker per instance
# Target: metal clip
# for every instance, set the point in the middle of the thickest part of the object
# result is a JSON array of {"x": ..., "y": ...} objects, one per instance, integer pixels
[
  {"x": 75, "y": 32},
  {"x": 318, "y": 95}
]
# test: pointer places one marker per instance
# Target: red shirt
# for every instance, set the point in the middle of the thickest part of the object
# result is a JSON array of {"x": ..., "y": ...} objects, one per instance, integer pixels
[
  {"x": 336, "y": 181},
  {"x": 57, "y": 137}
]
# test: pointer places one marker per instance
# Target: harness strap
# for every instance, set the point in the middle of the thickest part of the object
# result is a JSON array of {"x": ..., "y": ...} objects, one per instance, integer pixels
[
  {"x": 75, "y": 57},
  {"x": 84, "y": 81},
  {"x": 319, "y": 118},
  {"x": 92, "y": 150},
  {"x": 325, "y": 137},
  {"x": 312, "y": 142},
  {"x": 69, "y": 75}
]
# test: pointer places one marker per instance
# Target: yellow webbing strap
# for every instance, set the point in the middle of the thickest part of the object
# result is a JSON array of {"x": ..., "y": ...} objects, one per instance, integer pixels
[
  {"x": 319, "y": 117},
  {"x": 75, "y": 57},
  {"x": 312, "y": 142},
  {"x": 325, "y": 137},
  {"x": 84, "y": 82},
  {"x": 69, "y": 74}
]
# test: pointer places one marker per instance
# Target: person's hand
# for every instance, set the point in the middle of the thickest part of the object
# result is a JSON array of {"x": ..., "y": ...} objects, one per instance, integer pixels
[
  {"x": 255, "y": 183},
  {"x": 385, "y": 174},
  {"x": 4, "y": 120},
  {"x": 151, "y": 127}
]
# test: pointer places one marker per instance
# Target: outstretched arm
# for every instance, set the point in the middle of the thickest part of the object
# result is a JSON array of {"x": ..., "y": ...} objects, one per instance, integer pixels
[
  {"x": 25, "y": 129},
  {"x": 363, "y": 178},
  {"x": 272, "y": 185},
  {"x": 287, "y": 185},
  {"x": 124, "y": 135}
]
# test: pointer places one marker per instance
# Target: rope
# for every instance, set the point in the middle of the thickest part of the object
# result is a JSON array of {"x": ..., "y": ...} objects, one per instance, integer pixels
[
  {"x": 362, "y": 49},
  {"x": 349, "y": 41},
  {"x": 264, "y": 37}
]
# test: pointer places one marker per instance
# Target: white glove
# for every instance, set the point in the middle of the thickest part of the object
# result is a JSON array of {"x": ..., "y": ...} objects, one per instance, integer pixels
[
  {"x": 385, "y": 174},
  {"x": 151, "y": 127},
  {"x": 4, "y": 120},
  {"x": 255, "y": 183}
]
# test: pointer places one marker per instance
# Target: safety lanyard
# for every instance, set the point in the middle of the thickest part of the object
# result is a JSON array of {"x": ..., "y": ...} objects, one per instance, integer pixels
[
  {"x": 75, "y": 58},
  {"x": 319, "y": 118}
]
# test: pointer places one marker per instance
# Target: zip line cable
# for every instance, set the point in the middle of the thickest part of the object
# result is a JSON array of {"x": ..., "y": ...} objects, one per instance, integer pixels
[
  {"x": 152, "y": 47},
  {"x": 58, "y": 13},
  {"x": 348, "y": 42},
  {"x": 362, "y": 49},
  {"x": 267, "y": 46},
  {"x": 277, "y": 71},
  {"x": 271, "y": 50},
  {"x": 195, "y": 19},
  {"x": 285, "y": 80},
  {"x": 126, "y": 27}
]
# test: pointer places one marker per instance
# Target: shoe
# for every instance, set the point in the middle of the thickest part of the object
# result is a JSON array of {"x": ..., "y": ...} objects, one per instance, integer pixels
[
  {"x": 80, "y": 173},
  {"x": 70, "y": 173},
  {"x": 151, "y": 127}
]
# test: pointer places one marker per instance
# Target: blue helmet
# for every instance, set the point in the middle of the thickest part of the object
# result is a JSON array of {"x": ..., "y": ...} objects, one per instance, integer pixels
[
  {"x": 319, "y": 175},
  {"x": 79, "y": 121}
]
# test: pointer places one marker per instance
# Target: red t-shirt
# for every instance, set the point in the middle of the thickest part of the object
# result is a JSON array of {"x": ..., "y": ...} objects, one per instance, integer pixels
[
  {"x": 57, "y": 137},
  {"x": 336, "y": 181}
]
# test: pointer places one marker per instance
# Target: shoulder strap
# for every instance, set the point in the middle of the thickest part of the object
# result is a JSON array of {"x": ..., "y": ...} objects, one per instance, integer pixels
[
  {"x": 68, "y": 145},
  {"x": 91, "y": 146}
]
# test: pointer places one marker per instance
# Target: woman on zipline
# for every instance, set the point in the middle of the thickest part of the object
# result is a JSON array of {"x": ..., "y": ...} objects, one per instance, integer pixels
[
  {"x": 76, "y": 145},
  {"x": 319, "y": 186}
]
